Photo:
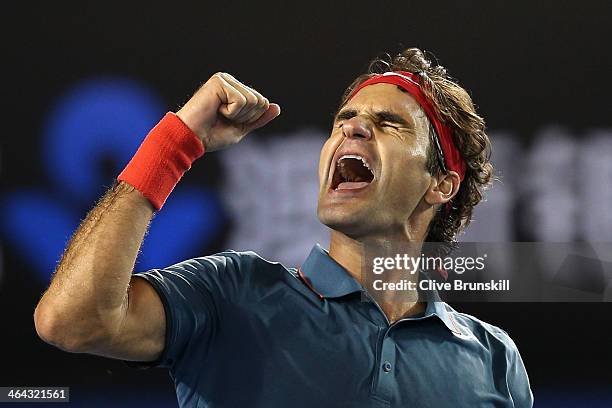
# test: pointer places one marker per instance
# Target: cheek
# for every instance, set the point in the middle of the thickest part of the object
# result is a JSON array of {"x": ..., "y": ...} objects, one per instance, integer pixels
[
  {"x": 325, "y": 158},
  {"x": 409, "y": 169},
  {"x": 415, "y": 157}
]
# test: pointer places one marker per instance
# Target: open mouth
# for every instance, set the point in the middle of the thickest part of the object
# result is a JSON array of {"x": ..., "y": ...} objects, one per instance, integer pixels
[{"x": 352, "y": 172}]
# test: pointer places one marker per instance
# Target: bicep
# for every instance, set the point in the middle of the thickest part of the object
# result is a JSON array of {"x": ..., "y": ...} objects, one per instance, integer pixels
[
  {"x": 140, "y": 334},
  {"x": 170, "y": 313}
]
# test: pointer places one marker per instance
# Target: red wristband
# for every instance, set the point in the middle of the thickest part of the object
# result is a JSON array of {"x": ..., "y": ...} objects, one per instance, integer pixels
[{"x": 161, "y": 160}]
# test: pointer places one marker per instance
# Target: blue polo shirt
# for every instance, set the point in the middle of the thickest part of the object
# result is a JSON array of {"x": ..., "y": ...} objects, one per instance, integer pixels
[{"x": 246, "y": 332}]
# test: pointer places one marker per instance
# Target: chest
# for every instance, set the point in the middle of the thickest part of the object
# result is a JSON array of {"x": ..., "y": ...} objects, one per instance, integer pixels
[{"x": 283, "y": 353}]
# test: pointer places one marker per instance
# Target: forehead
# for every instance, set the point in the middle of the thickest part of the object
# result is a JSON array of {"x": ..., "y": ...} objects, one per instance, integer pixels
[{"x": 386, "y": 97}]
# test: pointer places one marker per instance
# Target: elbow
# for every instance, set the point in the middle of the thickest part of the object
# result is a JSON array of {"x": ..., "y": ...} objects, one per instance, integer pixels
[{"x": 56, "y": 329}]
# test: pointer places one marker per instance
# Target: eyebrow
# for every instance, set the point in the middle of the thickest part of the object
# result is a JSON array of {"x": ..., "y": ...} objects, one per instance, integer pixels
[{"x": 381, "y": 116}]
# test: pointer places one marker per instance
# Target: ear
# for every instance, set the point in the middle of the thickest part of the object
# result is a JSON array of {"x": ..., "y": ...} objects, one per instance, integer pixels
[{"x": 442, "y": 188}]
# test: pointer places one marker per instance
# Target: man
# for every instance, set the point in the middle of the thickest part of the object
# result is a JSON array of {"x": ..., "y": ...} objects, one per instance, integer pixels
[{"x": 406, "y": 162}]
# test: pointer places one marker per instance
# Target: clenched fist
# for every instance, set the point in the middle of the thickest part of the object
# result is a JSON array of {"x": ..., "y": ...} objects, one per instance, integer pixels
[{"x": 224, "y": 110}]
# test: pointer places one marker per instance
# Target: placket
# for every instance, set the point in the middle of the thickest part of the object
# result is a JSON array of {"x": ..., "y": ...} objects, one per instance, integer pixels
[{"x": 385, "y": 381}]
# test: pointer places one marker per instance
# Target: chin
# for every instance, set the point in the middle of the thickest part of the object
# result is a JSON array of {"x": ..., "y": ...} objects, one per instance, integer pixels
[{"x": 351, "y": 222}]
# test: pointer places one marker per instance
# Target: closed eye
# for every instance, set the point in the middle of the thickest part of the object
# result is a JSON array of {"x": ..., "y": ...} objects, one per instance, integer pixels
[
  {"x": 383, "y": 118},
  {"x": 385, "y": 124}
]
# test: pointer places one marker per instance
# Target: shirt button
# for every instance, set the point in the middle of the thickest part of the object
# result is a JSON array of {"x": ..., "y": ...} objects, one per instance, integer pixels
[{"x": 387, "y": 366}]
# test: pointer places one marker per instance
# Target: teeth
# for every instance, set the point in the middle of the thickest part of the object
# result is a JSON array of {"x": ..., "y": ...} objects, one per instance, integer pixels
[{"x": 355, "y": 156}]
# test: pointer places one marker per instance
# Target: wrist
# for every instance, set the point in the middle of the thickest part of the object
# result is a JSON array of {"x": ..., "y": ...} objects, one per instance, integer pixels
[
  {"x": 127, "y": 191},
  {"x": 192, "y": 119},
  {"x": 164, "y": 156}
]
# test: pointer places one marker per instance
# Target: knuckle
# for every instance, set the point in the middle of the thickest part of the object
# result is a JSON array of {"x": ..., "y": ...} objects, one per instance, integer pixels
[
  {"x": 242, "y": 100},
  {"x": 216, "y": 77},
  {"x": 251, "y": 100},
  {"x": 222, "y": 78},
  {"x": 260, "y": 98}
]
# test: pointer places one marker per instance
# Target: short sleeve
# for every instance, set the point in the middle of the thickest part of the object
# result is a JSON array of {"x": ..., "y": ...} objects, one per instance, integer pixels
[
  {"x": 191, "y": 293},
  {"x": 517, "y": 379}
]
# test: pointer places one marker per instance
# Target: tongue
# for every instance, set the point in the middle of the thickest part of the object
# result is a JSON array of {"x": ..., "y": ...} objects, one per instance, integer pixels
[{"x": 352, "y": 185}]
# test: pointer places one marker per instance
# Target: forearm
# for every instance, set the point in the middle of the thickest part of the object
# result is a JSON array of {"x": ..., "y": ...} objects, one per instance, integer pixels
[{"x": 88, "y": 293}]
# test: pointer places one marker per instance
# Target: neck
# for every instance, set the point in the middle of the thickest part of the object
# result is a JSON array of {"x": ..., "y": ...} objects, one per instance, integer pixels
[{"x": 351, "y": 254}]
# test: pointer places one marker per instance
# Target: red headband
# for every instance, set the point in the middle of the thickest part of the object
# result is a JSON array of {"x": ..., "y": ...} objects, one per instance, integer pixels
[{"x": 409, "y": 81}]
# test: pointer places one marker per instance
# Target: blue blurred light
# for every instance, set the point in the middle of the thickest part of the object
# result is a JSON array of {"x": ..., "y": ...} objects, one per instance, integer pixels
[
  {"x": 190, "y": 218},
  {"x": 99, "y": 118},
  {"x": 38, "y": 227}
]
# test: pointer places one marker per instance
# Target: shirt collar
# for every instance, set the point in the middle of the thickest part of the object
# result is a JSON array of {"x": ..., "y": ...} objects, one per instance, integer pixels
[
  {"x": 329, "y": 279},
  {"x": 325, "y": 276}
]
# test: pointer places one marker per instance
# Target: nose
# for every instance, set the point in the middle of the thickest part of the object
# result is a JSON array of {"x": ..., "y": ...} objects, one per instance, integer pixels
[{"x": 357, "y": 127}]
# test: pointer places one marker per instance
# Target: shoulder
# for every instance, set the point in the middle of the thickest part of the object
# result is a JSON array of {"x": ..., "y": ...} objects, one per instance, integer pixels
[
  {"x": 226, "y": 274},
  {"x": 489, "y": 335},
  {"x": 228, "y": 259},
  {"x": 248, "y": 261},
  {"x": 504, "y": 356},
  {"x": 231, "y": 264}
]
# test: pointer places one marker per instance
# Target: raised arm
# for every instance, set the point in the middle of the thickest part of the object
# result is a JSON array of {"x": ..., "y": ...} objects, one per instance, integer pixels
[{"x": 93, "y": 304}]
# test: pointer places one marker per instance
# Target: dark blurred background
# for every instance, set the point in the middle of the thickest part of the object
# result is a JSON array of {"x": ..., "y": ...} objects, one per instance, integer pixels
[{"x": 84, "y": 82}]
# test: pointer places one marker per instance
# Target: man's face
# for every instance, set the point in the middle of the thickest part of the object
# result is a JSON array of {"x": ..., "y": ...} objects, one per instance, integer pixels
[{"x": 372, "y": 170}]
